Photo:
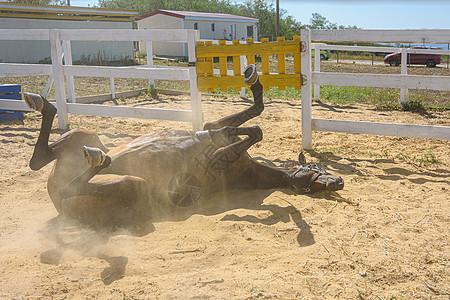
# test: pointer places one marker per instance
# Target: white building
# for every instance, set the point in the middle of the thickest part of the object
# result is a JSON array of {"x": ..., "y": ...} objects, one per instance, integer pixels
[
  {"x": 27, "y": 16},
  {"x": 212, "y": 26}
]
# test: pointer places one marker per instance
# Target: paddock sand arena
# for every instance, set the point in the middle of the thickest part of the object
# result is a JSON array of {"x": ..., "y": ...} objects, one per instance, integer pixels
[{"x": 385, "y": 236}]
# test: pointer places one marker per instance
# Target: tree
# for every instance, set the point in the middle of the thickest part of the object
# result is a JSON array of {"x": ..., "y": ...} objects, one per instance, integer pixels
[
  {"x": 266, "y": 14},
  {"x": 318, "y": 21},
  {"x": 289, "y": 27},
  {"x": 148, "y": 6},
  {"x": 259, "y": 9}
]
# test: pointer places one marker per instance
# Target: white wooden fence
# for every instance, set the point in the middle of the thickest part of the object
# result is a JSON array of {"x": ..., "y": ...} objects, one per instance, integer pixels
[
  {"x": 403, "y": 62},
  {"x": 402, "y": 81},
  {"x": 60, "y": 39}
]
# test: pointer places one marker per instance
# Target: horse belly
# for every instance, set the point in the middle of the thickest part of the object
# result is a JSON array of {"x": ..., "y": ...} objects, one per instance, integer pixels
[{"x": 161, "y": 162}]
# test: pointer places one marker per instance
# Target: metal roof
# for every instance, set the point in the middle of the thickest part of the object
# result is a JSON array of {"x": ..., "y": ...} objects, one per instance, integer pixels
[
  {"x": 30, "y": 11},
  {"x": 192, "y": 15}
]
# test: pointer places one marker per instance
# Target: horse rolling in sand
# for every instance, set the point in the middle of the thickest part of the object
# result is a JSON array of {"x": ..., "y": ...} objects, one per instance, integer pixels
[{"x": 99, "y": 187}]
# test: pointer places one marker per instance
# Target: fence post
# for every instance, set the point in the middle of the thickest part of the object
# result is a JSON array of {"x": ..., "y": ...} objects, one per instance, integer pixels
[
  {"x": 404, "y": 70},
  {"x": 149, "y": 48},
  {"x": 306, "y": 89},
  {"x": 243, "y": 66},
  {"x": 48, "y": 86},
  {"x": 196, "y": 99},
  {"x": 67, "y": 50},
  {"x": 112, "y": 88},
  {"x": 58, "y": 75},
  {"x": 316, "y": 69},
  {"x": 236, "y": 61}
]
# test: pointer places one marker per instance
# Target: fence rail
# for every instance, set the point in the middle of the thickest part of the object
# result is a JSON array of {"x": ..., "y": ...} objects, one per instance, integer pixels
[
  {"x": 402, "y": 81},
  {"x": 382, "y": 80},
  {"x": 60, "y": 43},
  {"x": 387, "y": 129},
  {"x": 381, "y": 49},
  {"x": 25, "y": 34},
  {"x": 208, "y": 78},
  {"x": 431, "y": 36},
  {"x": 129, "y": 72}
]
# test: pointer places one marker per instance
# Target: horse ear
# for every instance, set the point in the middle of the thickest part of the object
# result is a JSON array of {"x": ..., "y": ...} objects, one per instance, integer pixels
[{"x": 302, "y": 158}]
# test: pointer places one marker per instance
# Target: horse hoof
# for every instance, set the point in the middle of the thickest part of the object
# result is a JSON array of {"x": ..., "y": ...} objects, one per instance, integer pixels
[
  {"x": 250, "y": 75},
  {"x": 302, "y": 159},
  {"x": 203, "y": 136},
  {"x": 96, "y": 157},
  {"x": 34, "y": 101}
]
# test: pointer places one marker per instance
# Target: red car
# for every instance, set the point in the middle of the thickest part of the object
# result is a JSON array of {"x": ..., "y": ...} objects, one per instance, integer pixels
[{"x": 430, "y": 60}]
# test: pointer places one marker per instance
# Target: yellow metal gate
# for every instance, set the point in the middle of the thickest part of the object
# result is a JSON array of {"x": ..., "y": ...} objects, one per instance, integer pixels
[{"x": 278, "y": 76}]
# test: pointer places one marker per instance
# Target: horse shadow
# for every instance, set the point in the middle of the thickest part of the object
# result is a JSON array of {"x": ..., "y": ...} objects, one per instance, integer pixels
[{"x": 67, "y": 235}]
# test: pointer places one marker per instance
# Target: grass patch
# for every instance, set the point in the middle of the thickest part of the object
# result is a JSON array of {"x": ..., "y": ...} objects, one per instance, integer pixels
[
  {"x": 30, "y": 116},
  {"x": 290, "y": 93},
  {"x": 385, "y": 98},
  {"x": 361, "y": 56},
  {"x": 424, "y": 159},
  {"x": 413, "y": 105},
  {"x": 176, "y": 85}
]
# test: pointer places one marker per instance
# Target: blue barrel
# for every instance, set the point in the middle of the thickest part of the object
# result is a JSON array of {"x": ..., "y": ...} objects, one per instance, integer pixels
[{"x": 10, "y": 91}]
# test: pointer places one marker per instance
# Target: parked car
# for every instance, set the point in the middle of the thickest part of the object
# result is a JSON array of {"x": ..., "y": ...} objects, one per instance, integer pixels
[
  {"x": 430, "y": 60},
  {"x": 324, "y": 54}
]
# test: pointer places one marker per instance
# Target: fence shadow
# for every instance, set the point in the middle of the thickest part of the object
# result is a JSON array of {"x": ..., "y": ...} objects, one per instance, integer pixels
[
  {"x": 391, "y": 173},
  {"x": 334, "y": 108}
]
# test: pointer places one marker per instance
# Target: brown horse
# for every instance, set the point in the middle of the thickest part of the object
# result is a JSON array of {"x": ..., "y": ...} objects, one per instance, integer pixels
[{"x": 94, "y": 185}]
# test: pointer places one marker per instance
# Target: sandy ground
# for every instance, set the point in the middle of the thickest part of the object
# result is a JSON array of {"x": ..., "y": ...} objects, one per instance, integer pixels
[{"x": 385, "y": 236}]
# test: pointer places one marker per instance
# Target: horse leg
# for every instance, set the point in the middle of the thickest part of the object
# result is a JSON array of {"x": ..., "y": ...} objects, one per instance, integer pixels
[
  {"x": 248, "y": 174},
  {"x": 103, "y": 200},
  {"x": 108, "y": 200},
  {"x": 255, "y": 110},
  {"x": 229, "y": 147},
  {"x": 42, "y": 153}
]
